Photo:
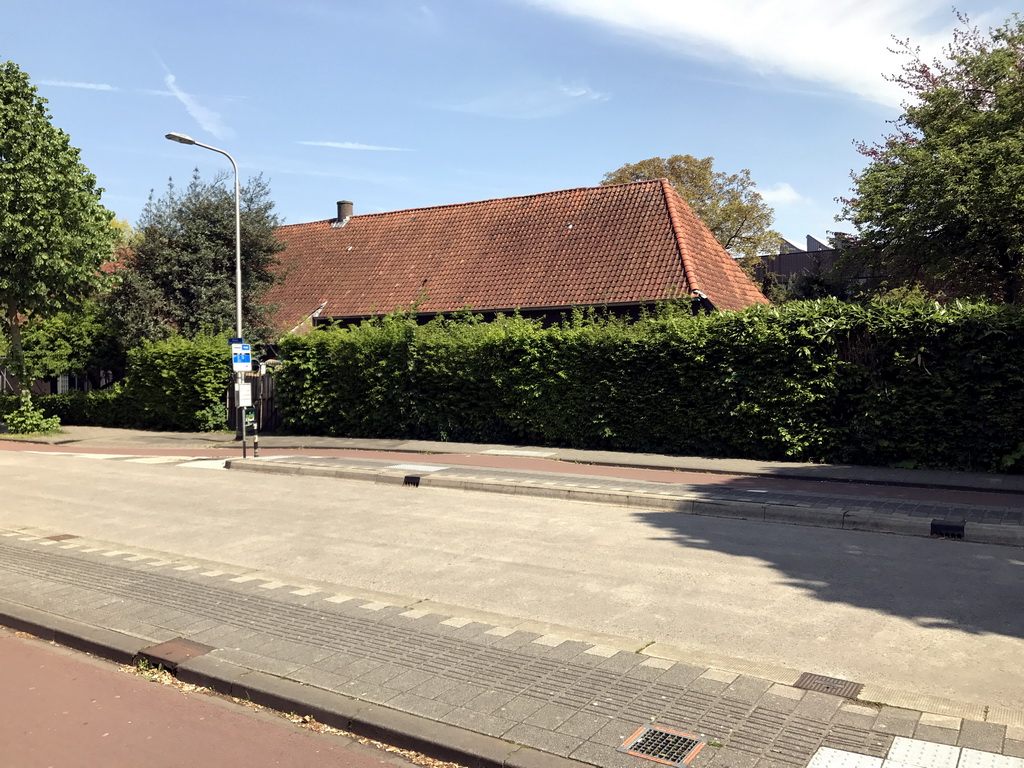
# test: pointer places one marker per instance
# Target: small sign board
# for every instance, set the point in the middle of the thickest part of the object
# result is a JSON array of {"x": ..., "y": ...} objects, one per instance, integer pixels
[
  {"x": 244, "y": 392},
  {"x": 241, "y": 357}
]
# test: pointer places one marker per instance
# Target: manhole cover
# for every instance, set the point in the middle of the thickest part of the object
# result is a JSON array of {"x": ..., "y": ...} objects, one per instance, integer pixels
[
  {"x": 174, "y": 652},
  {"x": 662, "y": 745},
  {"x": 832, "y": 685}
]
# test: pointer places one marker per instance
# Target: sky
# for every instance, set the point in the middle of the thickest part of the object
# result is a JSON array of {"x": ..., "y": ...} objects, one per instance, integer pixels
[{"x": 397, "y": 104}]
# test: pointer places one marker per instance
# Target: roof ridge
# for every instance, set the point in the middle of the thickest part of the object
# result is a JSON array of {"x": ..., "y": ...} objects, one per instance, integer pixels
[
  {"x": 684, "y": 252},
  {"x": 481, "y": 202}
]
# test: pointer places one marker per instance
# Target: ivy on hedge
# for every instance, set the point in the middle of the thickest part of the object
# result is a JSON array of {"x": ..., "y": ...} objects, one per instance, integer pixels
[{"x": 918, "y": 385}]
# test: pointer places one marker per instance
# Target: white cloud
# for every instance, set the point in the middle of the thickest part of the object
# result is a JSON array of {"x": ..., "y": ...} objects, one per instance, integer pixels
[
  {"x": 207, "y": 118},
  {"x": 843, "y": 44},
  {"x": 780, "y": 194},
  {"x": 72, "y": 84},
  {"x": 531, "y": 101},
  {"x": 352, "y": 145}
]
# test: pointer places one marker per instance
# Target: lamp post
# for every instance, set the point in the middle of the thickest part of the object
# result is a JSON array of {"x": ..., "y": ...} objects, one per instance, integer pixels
[{"x": 181, "y": 138}]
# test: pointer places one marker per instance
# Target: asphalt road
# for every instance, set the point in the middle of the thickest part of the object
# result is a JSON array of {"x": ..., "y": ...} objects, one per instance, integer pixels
[
  {"x": 59, "y": 708},
  {"x": 934, "y": 617}
]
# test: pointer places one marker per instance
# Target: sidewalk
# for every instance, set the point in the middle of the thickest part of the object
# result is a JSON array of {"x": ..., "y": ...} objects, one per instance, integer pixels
[{"x": 479, "y": 687}]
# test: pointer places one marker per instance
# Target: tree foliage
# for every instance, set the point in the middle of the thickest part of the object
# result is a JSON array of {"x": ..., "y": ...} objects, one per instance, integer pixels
[
  {"x": 940, "y": 200},
  {"x": 54, "y": 233},
  {"x": 727, "y": 204},
  {"x": 180, "y": 274}
]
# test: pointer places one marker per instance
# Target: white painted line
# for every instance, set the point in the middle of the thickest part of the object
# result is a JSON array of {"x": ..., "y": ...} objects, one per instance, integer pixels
[
  {"x": 272, "y": 585},
  {"x": 719, "y": 675},
  {"x": 338, "y": 599},
  {"x": 47, "y": 543},
  {"x": 754, "y": 490},
  {"x": 306, "y": 591},
  {"x": 657, "y": 663},
  {"x": 457, "y": 622},
  {"x": 70, "y": 546},
  {"x": 552, "y": 641},
  {"x": 245, "y": 578},
  {"x": 417, "y": 467},
  {"x": 187, "y": 568},
  {"x": 603, "y": 651},
  {"x": 975, "y": 758},
  {"x": 923, "y": 754},
  {"x": 115, "y": 553},
  {"x": 532, "y": 454},
  {"x": 374, "y": 606},
  {"x": 160, "y": 563},
  {"x": 137, "y": 558},
  {"x": 413, "y": 614},
  {"x": 92, "y": 549},
  {"x": 30, "y": 538},
  {"x": 14, "y": 533},
  {"x": 941, "y": 721},
  {"x": 204, "y": 464},
  {"x": 158, "y": 460},
  {"x": 500, "y": 631},
  {"x": 213, "y": 573},
  {"x": 826, "y": 757}
]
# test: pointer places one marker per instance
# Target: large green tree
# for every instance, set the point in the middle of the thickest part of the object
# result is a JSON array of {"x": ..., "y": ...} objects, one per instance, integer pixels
[
  {"x": 180, "y": 274},
  {"x": 54, "y": 233},
  {"x": 941, "y": 201},
  {"x": 727, "y": 204}
]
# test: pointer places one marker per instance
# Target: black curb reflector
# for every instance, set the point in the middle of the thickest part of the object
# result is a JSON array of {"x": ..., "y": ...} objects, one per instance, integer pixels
[
  {"x": 412, "y": 480},
  {"x": 947, "y": 530}
]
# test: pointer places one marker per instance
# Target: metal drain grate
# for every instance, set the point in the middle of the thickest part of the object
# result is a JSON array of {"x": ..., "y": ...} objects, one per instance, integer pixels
[
  {"x": 832, "y": 685},
  {"x": 662, "y": 745}
]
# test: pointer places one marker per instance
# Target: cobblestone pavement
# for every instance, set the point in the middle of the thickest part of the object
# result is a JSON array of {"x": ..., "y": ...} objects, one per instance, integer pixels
[{"x": 552, "y": 693}]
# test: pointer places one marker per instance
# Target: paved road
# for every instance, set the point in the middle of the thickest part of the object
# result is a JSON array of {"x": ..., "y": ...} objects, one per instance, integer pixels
[
  {"x": 60, "y": 708},
  {"x": 935, "y": 617}
]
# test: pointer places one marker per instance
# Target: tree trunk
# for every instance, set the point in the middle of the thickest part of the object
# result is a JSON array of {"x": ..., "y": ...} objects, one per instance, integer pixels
[{"x": 16, "y": 358}]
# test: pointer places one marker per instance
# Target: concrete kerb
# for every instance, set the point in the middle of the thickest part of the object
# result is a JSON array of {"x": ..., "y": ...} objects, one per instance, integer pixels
[
  {"x": 439, "y": 740},
  {"x": 738, "y": 510},
  {"x": 105, "y": 643}
]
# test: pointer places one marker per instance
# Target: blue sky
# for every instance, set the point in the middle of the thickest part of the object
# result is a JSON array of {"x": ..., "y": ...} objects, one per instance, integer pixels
[{"x": 401, "y": 103}]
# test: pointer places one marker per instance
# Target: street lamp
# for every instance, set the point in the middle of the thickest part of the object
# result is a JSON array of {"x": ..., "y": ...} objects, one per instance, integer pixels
[{"x": 181, "y": 138}]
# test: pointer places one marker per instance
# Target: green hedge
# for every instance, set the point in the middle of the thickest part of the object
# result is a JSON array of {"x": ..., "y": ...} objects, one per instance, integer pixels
[
  {"x": 916, "y": 386},
  {"x": 177, "y": 384}
]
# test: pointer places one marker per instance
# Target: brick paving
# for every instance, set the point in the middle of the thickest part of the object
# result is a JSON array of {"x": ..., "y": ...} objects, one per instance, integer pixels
[{"x": 554, "y": 694}]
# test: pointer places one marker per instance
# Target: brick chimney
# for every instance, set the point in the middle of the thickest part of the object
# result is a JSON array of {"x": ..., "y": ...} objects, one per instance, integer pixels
[{"x": 344, "y": 213}]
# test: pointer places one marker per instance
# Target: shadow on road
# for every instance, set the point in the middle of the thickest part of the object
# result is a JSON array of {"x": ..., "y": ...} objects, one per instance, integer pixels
[{"x": 973, "y": 588}]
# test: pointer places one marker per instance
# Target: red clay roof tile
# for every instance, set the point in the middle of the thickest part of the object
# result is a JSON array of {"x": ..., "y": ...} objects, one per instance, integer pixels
[{"x": 627, "y": 243}]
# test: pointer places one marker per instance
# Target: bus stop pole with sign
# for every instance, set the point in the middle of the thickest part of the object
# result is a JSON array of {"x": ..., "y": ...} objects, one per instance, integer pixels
[{"x": 240, "y": 382}]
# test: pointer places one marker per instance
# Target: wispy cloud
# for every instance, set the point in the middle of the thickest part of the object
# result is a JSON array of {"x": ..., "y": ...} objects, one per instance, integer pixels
[
  {"x": 842, "y": 44},
  {"x": 780, "y": 194},
  {"x": 531, "y": 101},
  {"x": 207, "y": 118},
  {"x": 352, "y": 145},
  {"x": 73, "y": 84}
]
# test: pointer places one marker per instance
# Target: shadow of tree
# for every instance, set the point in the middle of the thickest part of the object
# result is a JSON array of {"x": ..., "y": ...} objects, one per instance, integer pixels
[{"x": 973, "y": 588}]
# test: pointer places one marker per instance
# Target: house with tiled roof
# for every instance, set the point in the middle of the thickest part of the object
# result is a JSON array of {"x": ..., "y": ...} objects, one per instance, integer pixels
[{"x": 620, "y": 247}]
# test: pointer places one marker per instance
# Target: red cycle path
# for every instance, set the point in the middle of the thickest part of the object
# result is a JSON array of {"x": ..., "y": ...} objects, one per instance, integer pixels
[
  {"x": 62, "y": 709},
  {"x": 528, "y": 464}
]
